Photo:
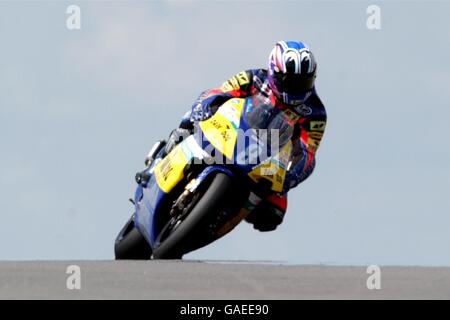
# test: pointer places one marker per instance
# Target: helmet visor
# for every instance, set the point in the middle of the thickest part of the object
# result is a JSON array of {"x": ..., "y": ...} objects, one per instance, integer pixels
[{"x": 294, "y": 84}]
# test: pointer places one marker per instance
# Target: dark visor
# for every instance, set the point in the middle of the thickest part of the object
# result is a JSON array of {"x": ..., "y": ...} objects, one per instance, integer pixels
[{"x": 293, "y": 83}]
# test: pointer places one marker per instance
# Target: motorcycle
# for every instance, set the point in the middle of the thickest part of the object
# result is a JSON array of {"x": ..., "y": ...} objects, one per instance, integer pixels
[{"x": 208, "y": 183}]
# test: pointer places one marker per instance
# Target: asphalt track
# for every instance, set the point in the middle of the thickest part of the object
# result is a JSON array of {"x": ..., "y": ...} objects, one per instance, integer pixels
[{"x": 216, "y": 280}]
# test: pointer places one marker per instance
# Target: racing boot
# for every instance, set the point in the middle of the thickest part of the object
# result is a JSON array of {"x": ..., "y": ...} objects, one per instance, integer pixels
[{"x": 269, "y": 214}]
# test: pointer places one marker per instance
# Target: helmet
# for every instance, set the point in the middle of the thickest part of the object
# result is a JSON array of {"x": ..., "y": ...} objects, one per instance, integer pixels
[{"x": 292, "y": 72}]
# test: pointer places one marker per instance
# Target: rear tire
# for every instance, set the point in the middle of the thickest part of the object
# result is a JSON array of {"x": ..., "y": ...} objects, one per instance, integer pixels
[
  {"x": 213, "y": 200},
  {"x": 131, "y": 245}
]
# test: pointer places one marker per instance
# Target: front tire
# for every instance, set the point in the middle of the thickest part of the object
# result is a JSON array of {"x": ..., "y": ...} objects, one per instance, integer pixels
[
  {"x": 131, "y": 245},
  {"x": 179, "y": 242}
]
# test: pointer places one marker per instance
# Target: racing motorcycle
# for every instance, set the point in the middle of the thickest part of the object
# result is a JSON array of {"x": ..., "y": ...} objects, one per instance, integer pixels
[{"x": 209, "y": 182}]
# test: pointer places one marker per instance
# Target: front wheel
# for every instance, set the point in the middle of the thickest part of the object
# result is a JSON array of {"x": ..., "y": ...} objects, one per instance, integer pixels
[
  {"x": 131, "y": 245},
  {"x": 180, "y": 234}
]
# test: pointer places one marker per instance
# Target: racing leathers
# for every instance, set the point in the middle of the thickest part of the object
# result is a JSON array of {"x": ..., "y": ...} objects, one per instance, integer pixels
[{"x": 308, "y": 133}]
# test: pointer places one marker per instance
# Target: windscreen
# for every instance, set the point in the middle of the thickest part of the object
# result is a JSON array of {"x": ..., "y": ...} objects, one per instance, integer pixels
[{"x": 261, "y": 114}]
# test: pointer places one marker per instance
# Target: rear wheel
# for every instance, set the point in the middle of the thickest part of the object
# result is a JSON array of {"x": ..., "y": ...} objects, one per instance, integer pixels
[
  {"x": 184, "y": 234},
  {"x": 131, "y": 245}
]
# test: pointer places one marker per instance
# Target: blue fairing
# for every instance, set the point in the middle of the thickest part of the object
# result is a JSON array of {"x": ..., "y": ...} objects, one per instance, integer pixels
[
  {"x": 146, "y": 215},
  {"x": 148, "y": 199},
  {"x": 146, "y": 207}
]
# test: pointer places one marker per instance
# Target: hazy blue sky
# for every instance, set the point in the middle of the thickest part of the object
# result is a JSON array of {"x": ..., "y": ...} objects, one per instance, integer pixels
[{"x": 80, "y": 109}]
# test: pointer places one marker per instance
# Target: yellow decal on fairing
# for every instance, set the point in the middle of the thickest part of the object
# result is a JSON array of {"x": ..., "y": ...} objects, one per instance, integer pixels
[
  {"x": 221, "y": 129},
  {"x": 274, "y": 170},
  {"x": 169, "y": 171}
]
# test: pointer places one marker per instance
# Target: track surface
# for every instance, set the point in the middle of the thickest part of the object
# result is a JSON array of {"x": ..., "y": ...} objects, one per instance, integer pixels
[{"x": 215, "y": 280}]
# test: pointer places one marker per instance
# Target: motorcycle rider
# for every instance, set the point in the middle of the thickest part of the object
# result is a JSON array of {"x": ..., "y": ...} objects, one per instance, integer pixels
[{"x": 289, "y": 83}]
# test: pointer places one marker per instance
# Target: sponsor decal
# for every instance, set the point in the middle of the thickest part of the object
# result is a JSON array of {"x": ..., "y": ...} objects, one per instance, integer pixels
[
  {"x": 226, "y": 87},
  {"x": 242, "y": 78},
  {"x": 235, "y": 82},
  {"x": 303, "y": 110},
  {"x": 317, "y": 126}
]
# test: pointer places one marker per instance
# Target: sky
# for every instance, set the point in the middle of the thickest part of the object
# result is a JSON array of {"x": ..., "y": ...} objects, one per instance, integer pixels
[{"x": 79, "y": 110}]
